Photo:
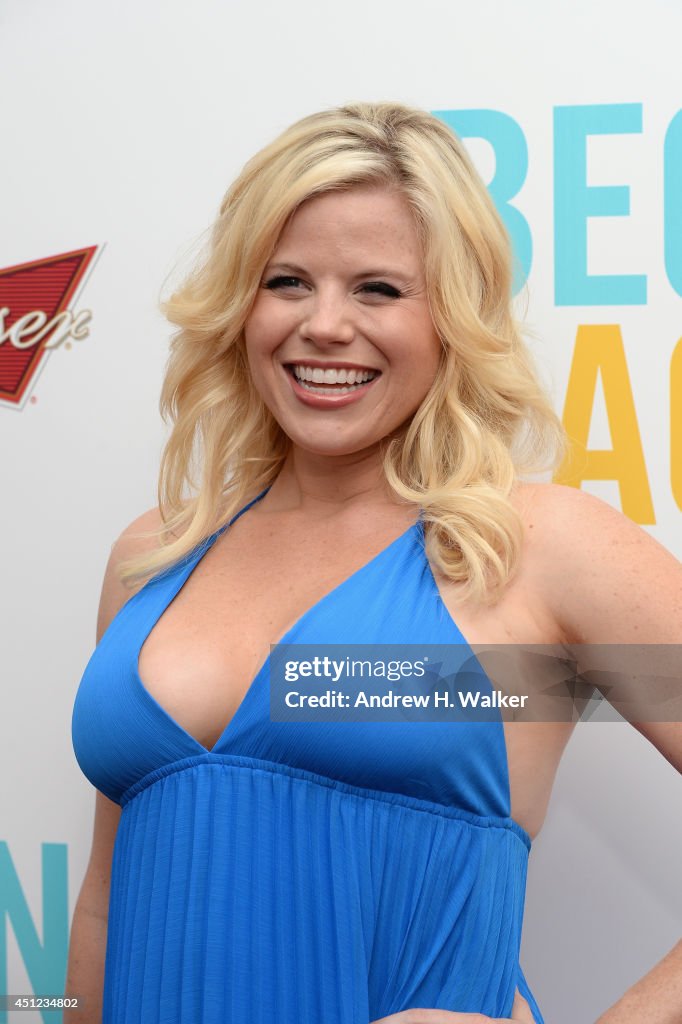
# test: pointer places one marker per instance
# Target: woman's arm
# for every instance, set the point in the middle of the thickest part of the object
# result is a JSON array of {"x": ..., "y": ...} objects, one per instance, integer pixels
[
  {"x": 609, "y": 582},
  {"x": 88, "y": 939},
  {"x": 656, "y": 998}
]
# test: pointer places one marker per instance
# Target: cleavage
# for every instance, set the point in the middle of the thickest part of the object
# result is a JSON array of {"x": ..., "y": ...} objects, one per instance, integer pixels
[{"x": 208, "y": 646}]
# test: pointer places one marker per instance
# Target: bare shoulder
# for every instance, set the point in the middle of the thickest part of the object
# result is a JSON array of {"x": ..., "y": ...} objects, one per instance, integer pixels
[
  {"x": 567, "y": 520},
  {"x": 604, "y": 577},
  {"x": 131, "y": 542},
  {"x": 550, "y": 514},
  {"x": 542, "y": 502}
]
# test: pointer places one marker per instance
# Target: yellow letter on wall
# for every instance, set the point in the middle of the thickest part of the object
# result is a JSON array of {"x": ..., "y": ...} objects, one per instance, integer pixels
[{"x": 599, "y": 348}]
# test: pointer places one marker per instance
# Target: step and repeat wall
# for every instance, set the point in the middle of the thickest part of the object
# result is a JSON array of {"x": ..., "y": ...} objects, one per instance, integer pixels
[{"x": 123, "y": 126}]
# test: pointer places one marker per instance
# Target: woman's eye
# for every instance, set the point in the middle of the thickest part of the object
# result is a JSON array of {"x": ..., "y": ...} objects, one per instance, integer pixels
[
  {"x": 382, "y": 288},
  {"x": 372, "y": 287},
  {"x": 282, "y": 282}
]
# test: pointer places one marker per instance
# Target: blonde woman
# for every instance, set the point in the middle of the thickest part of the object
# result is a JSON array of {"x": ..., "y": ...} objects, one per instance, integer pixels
[{"x": 354, "y": 413}]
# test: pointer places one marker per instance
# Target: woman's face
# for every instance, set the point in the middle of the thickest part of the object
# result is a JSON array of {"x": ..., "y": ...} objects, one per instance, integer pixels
[{"x": 343, "y": 293}]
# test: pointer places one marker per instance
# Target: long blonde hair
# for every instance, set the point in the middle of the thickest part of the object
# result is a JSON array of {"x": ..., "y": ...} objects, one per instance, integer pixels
[{"x": 486, "y": 420}]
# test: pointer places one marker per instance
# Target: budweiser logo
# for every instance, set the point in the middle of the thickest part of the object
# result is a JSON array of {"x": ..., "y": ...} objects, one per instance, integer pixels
[
  {"x": 35, "y": 318},
  {"x": 33, "y": 327}
]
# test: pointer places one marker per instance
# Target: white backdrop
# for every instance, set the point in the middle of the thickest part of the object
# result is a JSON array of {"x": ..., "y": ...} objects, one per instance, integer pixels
[{"x": 122, "y": 126}]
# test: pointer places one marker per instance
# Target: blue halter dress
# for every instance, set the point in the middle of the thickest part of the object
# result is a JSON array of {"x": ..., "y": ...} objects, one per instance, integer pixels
[{"x": 303, "y": 872}]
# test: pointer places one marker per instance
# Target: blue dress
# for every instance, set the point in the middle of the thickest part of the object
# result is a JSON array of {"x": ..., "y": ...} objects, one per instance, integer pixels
[{"x": 298, "y": 872}]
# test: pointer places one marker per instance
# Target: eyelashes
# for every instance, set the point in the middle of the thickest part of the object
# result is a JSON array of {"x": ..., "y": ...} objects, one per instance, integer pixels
[
  {"x": 281, "y": 282},
  {"x": 372, "y": 287}
]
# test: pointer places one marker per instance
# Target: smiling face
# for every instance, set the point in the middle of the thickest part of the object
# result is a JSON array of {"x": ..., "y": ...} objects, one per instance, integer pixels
[{"x": 344, "y": 289}]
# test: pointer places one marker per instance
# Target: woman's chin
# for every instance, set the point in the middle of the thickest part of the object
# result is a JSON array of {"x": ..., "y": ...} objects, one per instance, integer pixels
[{"x": 331, "y": 446}]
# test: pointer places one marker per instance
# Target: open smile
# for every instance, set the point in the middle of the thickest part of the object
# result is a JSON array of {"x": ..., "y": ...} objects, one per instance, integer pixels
[
  {"x": 334, "y": 376},
  {"x": 323, "y": 387}
]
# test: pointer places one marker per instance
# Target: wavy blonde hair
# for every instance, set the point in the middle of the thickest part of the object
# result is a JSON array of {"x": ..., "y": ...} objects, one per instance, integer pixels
[{"x": 486, "y": 419}]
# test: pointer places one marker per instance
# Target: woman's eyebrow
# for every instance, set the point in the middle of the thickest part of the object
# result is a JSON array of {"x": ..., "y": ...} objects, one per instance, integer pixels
[
  {"x": 287, "y": 266},
  {"x": 371, "y": 272}
]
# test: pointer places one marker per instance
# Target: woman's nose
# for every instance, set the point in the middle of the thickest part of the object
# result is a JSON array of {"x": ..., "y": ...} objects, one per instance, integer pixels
[{"x": 327, "y": 317}]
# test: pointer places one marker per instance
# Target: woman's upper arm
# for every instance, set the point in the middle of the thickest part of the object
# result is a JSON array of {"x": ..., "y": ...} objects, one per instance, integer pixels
[
  {"x": 617, "y": 596},
  {"x": 94, "y": 893}
]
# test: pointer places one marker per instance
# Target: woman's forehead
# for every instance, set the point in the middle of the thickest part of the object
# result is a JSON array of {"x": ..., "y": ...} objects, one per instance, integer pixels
[{"x": 361, "y": 219}]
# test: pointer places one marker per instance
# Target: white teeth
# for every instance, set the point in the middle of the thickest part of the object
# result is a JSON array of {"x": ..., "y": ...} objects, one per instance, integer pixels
[
  {"x": 320, "y": 390},
  {"x": 332, "y": 376}
]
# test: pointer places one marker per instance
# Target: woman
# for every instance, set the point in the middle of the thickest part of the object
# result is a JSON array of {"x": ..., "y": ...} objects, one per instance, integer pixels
[{"x": 348, "y": 362}]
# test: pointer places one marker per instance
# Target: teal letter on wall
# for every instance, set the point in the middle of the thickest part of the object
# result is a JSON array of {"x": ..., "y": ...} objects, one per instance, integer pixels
[
  {"x": 575, "y": 201},
  {"x": 506, "y": 137},
  {"x": 45, "y": 962},
  {"x": 672, "y": 201}
]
